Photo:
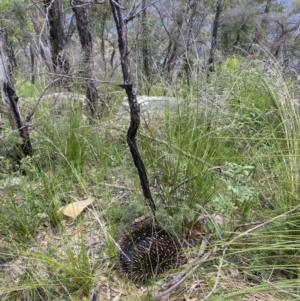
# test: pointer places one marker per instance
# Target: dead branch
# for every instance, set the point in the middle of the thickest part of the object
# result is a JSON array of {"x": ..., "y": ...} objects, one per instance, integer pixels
[
  {"x": 31, "y": 113},
  {"x": 132, "y": 100}
]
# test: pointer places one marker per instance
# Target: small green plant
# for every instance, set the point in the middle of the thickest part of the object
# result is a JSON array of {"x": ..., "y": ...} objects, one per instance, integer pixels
[
  {"x": 25, "y": 89},
  {"x": 30, "y": 288},
  {"x": 75, "y": 147},
  {"x": 19, "y": 218}
]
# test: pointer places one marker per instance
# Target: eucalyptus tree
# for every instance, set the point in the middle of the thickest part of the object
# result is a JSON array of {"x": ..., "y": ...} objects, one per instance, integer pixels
[
  {"x": 168, "y": 38},
  {"x": 215, "y": 28},
  {"x": 102, "y": 29},
  {"x": 10, "y": 97},
  {"x": 83, "y": 26},
  {"x": 182, "y": 22},
  {"x": 15, "y": 18},
  {"x": 239, "y": 24},
  {"x": 267, "y": 24},
  {"x": 54, "y": 16},
  {"x": 145, "y": 43}
]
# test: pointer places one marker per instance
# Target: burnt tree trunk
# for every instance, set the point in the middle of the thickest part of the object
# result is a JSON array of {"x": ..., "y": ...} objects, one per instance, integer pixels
[
  {"x": 85, "y": 36},
  {"x": 9, "y": 96},
  {"x": 133, "y": 104},
  {"x": 214, "y": 36},
  {"x": 58, "y": 39}
]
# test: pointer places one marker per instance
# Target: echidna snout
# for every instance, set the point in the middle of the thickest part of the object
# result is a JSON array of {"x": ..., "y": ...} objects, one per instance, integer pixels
[{"x": 148, "y": 251}]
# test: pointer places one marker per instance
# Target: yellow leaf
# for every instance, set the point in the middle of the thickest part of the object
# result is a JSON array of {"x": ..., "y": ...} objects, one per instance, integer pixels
[{"x": 74, "y": 209}]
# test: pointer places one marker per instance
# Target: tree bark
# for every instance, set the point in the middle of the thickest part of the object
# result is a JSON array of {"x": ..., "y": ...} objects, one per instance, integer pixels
[
  {"x": 44, "y": 43},
  {"x": 32, "y": 65},
  {"x": 133, "y": 104},
  {"x": 58, "y": 39},
  {"x": 214, "y": 36},
  {"x": 267, "y": 7},
  {"x": 85, "y": 36},
  {"x": 9, "y": 96},
  {"x": 145, "y": 36}
]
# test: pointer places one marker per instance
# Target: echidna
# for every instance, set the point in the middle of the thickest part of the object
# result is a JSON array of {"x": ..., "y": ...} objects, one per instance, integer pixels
[{"x": 148, "y": 251}]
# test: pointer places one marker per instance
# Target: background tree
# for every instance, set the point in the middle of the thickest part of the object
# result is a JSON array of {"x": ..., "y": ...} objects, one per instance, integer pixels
[
  {"x": 214, "y": 35},
  {"x": 58, "y": 39},
  {"x": 9, "y": 96},
  {"x": 239, "y": 25},
  {"x": 145, "y": 35},
  {"x": 85, "y": 36}
]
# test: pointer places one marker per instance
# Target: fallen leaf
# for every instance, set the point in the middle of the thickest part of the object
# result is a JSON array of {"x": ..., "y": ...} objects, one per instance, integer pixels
[
  {"x": 197, "y": 231},
  {"x": 74, "y": 209},
  {"x": 199, "y": 228},
  {"x": 140, "y": 219},
  {"x": 80, "y": 295}
]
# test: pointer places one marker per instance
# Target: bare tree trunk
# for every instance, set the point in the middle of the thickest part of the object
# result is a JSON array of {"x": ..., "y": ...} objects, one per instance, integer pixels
[
  {"x": 267, "y": 7},
  {"x": 102, "y": 33},
  {"x": 255, "y": 40},
  {"x": 105, "y": 16},
  {"x": 32, "y": 64},
  {"x": 44, "y": 43},
  {"x": 133, "y": 104},
  {"x": 54, "y": 15},
  {"x": 145, "y": 34},
  {"x": 214, "y": 36},
  {"x": 85, "y": 36},
  {"x": 9, "y": 96}
]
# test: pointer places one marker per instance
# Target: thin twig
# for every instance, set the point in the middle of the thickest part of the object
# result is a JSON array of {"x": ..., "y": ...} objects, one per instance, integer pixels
[
  {"x": 81, "y": 77},
  {"x": 30, "y": 114},
  {"x": 180, "y": 150},
  {"x": 132, "y": 100},
  {"x": 131, "y": 14},
  {"x": 88, "y": 3},
  {"x": 247, "y": 224},
  {"x": 182, "y": 183},
  {"x": 263, "y": 224}
]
